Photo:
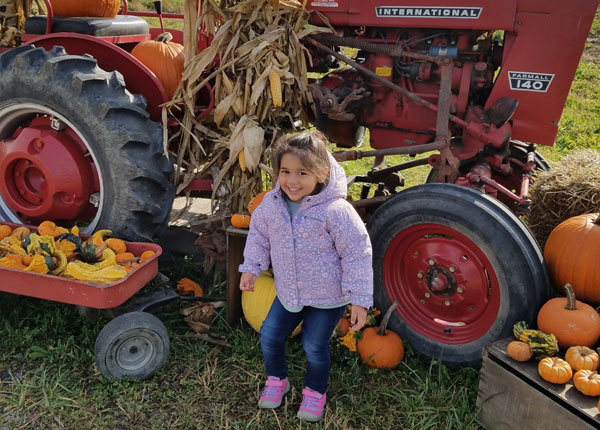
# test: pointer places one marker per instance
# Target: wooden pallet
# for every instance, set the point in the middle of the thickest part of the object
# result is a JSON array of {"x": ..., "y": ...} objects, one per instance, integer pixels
[{"x": 513, "y": 396}]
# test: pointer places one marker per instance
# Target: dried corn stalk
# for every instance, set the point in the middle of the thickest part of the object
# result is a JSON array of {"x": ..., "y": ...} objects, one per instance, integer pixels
[{"x": 256, "y": 68}]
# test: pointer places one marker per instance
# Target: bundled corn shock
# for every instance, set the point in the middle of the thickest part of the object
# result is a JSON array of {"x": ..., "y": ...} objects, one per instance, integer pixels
[{"x": 255, "y": 66}]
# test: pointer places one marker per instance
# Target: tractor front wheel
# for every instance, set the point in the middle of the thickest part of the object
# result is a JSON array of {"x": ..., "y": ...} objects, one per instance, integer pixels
[
  {"x": 462, "y": 267},
  {"x": 77, "y": 148}
]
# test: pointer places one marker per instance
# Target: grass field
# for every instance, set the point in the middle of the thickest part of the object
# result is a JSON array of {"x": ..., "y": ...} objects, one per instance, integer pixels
[{"x": 48, "y": 378}]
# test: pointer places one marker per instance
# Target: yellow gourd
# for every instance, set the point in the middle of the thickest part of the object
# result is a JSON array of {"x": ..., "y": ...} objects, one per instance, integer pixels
[{"x": 256, "y": 304}]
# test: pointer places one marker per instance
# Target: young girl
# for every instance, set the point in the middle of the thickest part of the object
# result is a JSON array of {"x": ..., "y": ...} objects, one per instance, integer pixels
[{"x": 321, "y": 257}]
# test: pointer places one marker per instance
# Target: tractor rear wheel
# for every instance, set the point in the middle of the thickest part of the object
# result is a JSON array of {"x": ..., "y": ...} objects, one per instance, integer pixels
[
  {"x": 78, "y": 148},
  {"x": 462, "y": 267}
]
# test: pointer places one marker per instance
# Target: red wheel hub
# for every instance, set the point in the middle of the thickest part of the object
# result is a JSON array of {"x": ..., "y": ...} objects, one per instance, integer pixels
[
  {"x": 445, "y": 286},
  {"x": 48, "y": 173}
]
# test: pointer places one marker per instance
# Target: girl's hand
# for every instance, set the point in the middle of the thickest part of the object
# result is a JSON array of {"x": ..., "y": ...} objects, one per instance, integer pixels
[
  {"x": 358, "y": 317},
  {"x": 247, "y": 281}
]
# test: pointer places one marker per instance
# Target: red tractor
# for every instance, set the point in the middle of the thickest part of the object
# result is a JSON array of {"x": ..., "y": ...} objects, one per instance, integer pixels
[{"x": 471, "y": 84}]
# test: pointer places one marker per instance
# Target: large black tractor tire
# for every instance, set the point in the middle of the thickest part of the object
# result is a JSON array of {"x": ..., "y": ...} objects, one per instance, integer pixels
[
  {"x": 135, "y": 195},
  {"x": 462, "y": 267}
]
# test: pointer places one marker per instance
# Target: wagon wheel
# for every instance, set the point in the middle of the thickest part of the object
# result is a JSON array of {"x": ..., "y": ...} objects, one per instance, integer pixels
[
  {"x": 77, "y": 147},
  {"x": 133, "y": 345},
  {"x": 462, "y": 267}
]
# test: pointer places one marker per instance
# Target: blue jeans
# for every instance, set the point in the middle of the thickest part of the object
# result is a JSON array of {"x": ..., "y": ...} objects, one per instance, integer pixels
[{"x": 317, "y": 329}]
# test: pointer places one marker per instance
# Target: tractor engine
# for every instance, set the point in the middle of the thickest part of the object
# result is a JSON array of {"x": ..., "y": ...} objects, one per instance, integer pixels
[
  {"x": 474, "y": 79},
  {"x": 347, "y": 97}
]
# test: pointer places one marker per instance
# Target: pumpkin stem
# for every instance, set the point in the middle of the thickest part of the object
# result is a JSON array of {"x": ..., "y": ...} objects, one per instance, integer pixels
[
  {"x": 571, "y": 299},
  {"x": 165, "y": 37},
  {"x": 386, "y": 317}
]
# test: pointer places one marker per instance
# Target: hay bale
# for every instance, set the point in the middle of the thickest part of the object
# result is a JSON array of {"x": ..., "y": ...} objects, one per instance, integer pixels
[{"x": 571, "y": 188}]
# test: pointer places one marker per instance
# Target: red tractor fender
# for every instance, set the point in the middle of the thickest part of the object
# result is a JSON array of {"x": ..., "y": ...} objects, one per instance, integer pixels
[{"x": 110, "y": 57}]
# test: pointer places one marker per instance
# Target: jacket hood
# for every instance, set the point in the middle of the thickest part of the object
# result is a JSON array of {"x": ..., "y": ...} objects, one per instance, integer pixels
[{"x": 336, "y": 187}]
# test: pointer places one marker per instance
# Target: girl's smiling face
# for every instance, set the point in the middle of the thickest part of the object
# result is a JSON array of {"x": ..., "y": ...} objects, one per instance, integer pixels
[{"x": 295, "y": 180}]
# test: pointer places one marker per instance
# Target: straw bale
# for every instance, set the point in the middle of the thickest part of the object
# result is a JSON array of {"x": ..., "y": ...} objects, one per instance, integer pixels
[{"x": 570, "y": 188}]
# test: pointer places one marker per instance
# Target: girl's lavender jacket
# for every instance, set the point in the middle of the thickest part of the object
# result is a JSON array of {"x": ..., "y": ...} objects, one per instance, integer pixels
[{"x": 320, "y": 257}]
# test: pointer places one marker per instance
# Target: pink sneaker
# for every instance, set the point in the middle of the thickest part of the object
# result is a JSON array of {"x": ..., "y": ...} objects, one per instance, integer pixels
[
  {"x": 312, "y": 405},
  {"x": 274, "y": 391}
]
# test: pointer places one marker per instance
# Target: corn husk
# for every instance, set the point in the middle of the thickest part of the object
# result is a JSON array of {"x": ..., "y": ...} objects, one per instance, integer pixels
[{"x": 252, "y": 41}]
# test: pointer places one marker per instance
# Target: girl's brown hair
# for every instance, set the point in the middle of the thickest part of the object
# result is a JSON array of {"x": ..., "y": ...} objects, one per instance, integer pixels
[{"x": 311, "y": 148}]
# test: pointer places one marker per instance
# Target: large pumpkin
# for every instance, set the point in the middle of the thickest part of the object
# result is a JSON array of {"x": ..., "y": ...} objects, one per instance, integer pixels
[
  {"x": 381, "y": 348},
  {"x": 256, "y": 304},
  {"x": 164, "y": 58},
  {"x": 574, "y": 323},
  {"x": 571, "y": 253},
  {"x": 99, "y": 8}
]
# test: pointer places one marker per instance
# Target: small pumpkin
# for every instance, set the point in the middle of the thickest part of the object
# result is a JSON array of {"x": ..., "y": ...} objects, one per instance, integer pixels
[
  {"x": 116, "y": 245},
  {"x": 67, "y": 243},
  {"x": 341, "y": 329},
  {"x": 555, "y": 370},
  {"x": 381, "y": 348},
  {"x": 125, "y": 257},
  {"x": 519, "y": 351},
  {"x": 572, "y": 322},
  {"x": 186, "y": 286},
  {"x": 12, "y": 261},
  {"x": 241, "y": 221},
  {"x": 256, "y": 201},
  {"x": 582, "y": 358},
  {"x": 98, "y": 8},
  {"x": 587, "y": 382},
  {"x": 164, "y": 58},
  {"x": 571, "y": 254},
  {"x": 256, "y": 304},
  {"x": 146, "y": 255},
  {"x": 5, "y": 231}
]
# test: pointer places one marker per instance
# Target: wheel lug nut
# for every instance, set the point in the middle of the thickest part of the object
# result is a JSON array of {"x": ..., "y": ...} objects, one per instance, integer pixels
[
  {"x": 460, "y": 290},
  {"x": 420, "y": 275},
  {"x": 447, "y": 302},
  {"x": 431, "y": 261},
  {"x": 452, "y": 269},
  {"x": 427, "y": 295}
]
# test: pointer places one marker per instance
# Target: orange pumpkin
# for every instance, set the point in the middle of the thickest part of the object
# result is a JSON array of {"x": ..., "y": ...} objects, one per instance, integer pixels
[
  {"x": 341, "y": 329},
  {"x": 5, "y": 231},
  {"x": 571, "y": 253},
  {"x": 146, "y": 255},
  {"x": 574, "y": 323},
  {"x": 124, "y": 257},
  {"x": 240, "y": 220},
  {"x": 49, "y": 228},
  {"x": 519, "y": 351},
  {"x": 116, "y": 245},
  {"x": 164, "y": 58},
  {"x": 555, "y": 370},
  {"x": 380, "y": 348},
  {"x": 582, "y": 358},
  {"x": 256, "y": 201},
  {"x": 587, "y": 382},
  {"x": 99, "y": 8}
]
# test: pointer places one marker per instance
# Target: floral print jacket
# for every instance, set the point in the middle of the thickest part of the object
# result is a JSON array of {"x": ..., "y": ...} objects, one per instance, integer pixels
[{"x": 320, "y": 256}]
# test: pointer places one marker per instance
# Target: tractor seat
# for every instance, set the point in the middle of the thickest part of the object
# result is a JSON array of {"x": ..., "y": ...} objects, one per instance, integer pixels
[{"x": 121, "y": 25}]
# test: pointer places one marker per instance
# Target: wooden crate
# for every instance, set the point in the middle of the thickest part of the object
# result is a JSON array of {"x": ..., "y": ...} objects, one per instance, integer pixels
[{"x": 512, "y": 395}]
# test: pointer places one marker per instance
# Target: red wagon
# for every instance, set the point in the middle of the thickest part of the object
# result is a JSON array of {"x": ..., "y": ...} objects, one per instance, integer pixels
[{"x": 133, "y": 344}]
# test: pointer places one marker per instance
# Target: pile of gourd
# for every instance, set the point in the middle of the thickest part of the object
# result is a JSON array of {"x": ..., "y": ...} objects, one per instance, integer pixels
[
  {"x": 565, "y": 323},
  {"x": 58, "y": 251}
]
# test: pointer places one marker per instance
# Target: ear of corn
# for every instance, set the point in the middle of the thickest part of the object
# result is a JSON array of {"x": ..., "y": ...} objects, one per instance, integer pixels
[
  {"x": 242, "y": 160},
  {"x": 275, "y": 82}
]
